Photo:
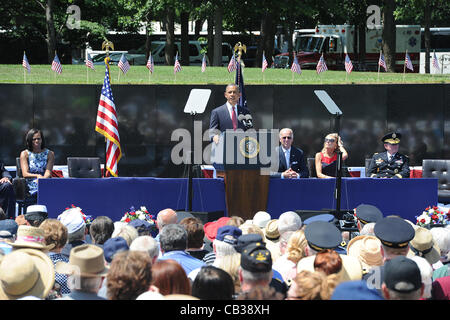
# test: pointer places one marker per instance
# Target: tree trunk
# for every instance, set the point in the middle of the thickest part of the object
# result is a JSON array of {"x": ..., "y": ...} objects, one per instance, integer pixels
[
  {"x": 170, "y": 36},
  {"x": 210, "y": 40},
  {"x": 291, "y": 28},
  {"x": 198, "y": 27},
  {"x": 218, "y": 17},
  {"x": 51, "y": 34},
  {"x": 361, "y": 46},
  {"x": 184, "y": 38},
  {"x": 148, "y": 40},
  {"x": 388, "y": 35},
  {"x": 427, "y": 34}
]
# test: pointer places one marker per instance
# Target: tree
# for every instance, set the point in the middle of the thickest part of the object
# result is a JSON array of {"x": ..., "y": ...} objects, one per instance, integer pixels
[{"x": 388, "y": 35}]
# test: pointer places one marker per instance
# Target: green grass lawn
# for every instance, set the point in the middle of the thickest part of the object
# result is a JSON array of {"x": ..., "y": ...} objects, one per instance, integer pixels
[{"x": 77, "y": 74}]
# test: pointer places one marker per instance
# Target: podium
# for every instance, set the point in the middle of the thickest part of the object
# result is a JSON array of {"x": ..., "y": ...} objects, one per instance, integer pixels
[{"x": 245, "y": 160}]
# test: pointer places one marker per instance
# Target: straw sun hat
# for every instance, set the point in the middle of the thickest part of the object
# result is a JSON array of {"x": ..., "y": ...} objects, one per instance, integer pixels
[
  {"x": 26, "y": 272},
  {"x": 31, "y": 237},
  {"x": 86, "y": 260},
  {"x": 367, "y": 249},
  {"x": 424, "y": 246}
]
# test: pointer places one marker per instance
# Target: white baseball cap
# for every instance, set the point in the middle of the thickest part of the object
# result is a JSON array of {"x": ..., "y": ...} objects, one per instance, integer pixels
[{"x": 72, "y": 219}]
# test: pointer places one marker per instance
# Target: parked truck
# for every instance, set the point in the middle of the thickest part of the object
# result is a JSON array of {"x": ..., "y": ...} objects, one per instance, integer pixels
[{"x": 334, "y": 41}]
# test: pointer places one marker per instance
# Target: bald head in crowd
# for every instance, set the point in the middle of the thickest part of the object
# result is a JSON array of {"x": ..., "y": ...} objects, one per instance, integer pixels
[{"x": 165, "y": 217}]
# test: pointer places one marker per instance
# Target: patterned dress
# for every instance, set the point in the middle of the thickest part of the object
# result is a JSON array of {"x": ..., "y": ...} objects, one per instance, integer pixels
[
  {"x": 61, "y": 279},
  {"x": 37, "y": 163}
]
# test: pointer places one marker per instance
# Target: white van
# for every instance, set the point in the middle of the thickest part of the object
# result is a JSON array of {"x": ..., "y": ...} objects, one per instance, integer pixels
[{"x": 195, "y": 55}]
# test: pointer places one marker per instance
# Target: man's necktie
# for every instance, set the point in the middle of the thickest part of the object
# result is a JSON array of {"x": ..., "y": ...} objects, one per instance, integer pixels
[
  {"x": 286, "y": 155},
  {"x": 233, "y": 119}
]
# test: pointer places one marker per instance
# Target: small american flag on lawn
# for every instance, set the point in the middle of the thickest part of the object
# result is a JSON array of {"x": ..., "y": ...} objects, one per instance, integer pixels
[
  {"x": 204, "y": 63},
  {"x": 150, "y": 63},
  {"x": 381, "y": 61},
  {"x": 295, "y": 66},
  {"x": 56, "y": 65},
  {"x": 123, "y": 64},
  {"x": 321, "y": 65},
  {"x": 348, "y": 64},
  {"x": 408, "y": 62},
  {"x": 264, "y": 63},
  {"x": 177, "y": 65},
  {"x": 89, "y": 62},
  {"x": 25, "y": 63},
  {"x": 435, "y": 62},
  {"x": 232, "y": 64}
]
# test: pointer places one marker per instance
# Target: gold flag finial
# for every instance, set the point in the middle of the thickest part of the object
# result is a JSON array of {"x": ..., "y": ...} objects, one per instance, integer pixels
[
  {"x": 106, "y": 45},
  {"x": 239, "y": 47}
]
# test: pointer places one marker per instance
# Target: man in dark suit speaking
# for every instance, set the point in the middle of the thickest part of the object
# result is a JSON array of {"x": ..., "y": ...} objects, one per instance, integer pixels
[
  {"x": 292, "y": 161},
  {"x": 226, "y": 116}
]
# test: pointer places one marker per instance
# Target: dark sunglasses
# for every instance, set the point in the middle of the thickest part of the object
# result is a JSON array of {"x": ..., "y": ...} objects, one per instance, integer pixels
[
  {"x": 330, "y": 140},
  {"x": 36, "y": 139},
  {"x": 288, "y": 137}
]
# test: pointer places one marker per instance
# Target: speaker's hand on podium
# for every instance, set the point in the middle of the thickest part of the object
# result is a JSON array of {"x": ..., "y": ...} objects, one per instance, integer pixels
[{"x": 216, "y": 138}]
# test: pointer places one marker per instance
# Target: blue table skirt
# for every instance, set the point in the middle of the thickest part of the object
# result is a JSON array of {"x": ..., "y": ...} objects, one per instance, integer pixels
[{"x": 114, "y": 196}]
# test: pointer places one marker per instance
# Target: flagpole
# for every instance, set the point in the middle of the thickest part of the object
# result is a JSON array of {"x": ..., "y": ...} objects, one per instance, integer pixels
[
  {"x": 404, "y": 66},
  {"x": 378, "y": 79}
]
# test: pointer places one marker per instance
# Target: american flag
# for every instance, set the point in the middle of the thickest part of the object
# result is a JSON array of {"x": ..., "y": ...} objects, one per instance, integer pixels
[
  {"x": 381, "y": 61},
  {"x": 150, "y": 63},
  {"x": 408, "y": 62},
  {"x": 321, "y": 65},
  {"x": 295, "y": 66},
  {"x": 123, "y": 64},
  {"x": 56, "y": 65},
  {"x": 232, "y": 64},
  {"x": 435, "y": 62},
  {"x": 348, "y": 64},
  {"x": 89, "y": 62},
  {"x": 264, "y": 63},
  {"x": 204, "y": 63},
  {"x": 177, "y": 65},
  {"x": 25, "y": 63},
  {"x": 239, "y": 81},
  {"x": 107, "y": 125}
]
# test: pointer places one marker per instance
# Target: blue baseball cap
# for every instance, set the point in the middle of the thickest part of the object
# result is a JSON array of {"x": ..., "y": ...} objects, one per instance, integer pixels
[
  {"x": 8, "y": 228},
  {"x": 355, "y": 290},
  {"x": 228, "y": 234},
  {"x": 113, "y": 246}
]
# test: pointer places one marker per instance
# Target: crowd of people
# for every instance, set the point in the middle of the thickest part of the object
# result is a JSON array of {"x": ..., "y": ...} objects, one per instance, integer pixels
[{"x": 265, "y": 258}]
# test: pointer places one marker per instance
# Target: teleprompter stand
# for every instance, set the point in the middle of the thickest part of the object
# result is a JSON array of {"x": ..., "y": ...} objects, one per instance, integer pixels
[
  {"x": 334, "y": 110},
  {"x": 196, "y": 104}
]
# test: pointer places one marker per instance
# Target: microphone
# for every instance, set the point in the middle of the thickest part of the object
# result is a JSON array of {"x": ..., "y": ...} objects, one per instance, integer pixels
[
  {"x": 242, "y": 119},
  {"x": 249, "y": 119}
]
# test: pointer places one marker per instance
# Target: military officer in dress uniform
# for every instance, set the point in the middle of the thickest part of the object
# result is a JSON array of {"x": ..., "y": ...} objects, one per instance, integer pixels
[{"x": 391, "y": 163}]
